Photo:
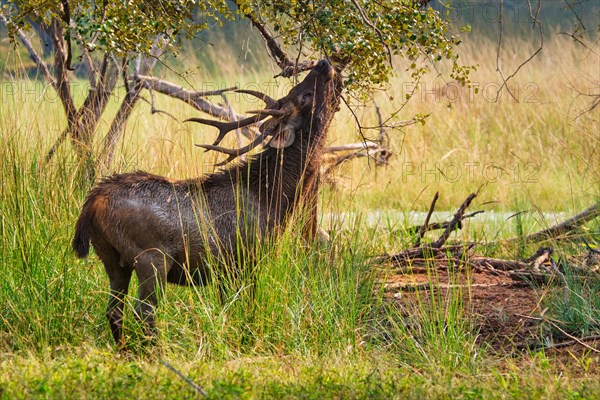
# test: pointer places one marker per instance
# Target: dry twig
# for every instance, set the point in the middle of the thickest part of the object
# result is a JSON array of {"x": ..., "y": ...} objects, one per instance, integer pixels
[
  {"x": 574, "y": 339},
  {"x": 185, "y": 378},
  {"x": 425, "y": 225}
]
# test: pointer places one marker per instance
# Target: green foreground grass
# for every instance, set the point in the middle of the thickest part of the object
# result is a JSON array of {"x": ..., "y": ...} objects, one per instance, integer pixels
[
  {"x": 317, "y": 324},
  {"x": 91, "y": 373}
]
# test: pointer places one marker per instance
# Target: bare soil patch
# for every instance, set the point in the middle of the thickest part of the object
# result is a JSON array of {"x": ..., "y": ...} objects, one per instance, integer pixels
[
  {"x": 498, "y": 307},
  {"x": 495, "y": 303}
]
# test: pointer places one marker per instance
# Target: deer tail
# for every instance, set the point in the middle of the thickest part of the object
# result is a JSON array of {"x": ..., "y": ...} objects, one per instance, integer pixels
[{"x": 81, "y": 240}]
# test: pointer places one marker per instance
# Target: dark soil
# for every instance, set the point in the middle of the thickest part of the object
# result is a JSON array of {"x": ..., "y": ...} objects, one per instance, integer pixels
[{"x": 498, "y": 305}]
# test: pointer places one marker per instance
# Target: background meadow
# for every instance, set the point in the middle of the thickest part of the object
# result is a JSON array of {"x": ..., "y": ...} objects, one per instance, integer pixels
[{"x": 319, "y": 325}]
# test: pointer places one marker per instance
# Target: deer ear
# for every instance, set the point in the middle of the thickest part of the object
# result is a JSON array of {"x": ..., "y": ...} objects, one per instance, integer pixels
[
  {"x": 284, "y": 138},
  {"x": 306, "y": 99}
]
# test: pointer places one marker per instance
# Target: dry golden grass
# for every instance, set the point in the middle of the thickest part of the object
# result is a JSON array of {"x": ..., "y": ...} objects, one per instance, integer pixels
[{"x": 531, "y": 151}]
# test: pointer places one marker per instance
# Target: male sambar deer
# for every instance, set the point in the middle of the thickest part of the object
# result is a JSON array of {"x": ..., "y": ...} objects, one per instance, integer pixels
[{"x": 167, "y": 230}]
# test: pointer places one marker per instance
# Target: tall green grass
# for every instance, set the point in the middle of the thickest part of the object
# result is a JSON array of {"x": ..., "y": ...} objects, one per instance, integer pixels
[
  {"x": 309, "y": 321},
  {"x": 297, "y": 299},
  {"x": 435, "y": 331},
  {"x": 42, "y": 284},
  {"x": 575, "y": 307}
]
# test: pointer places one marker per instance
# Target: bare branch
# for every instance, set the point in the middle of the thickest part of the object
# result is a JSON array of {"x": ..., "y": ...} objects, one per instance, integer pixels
[
  {"x": 369, "y": 149},
  {"x": 455, "y": 222},
  {"x": 531, "y": 57},
  {"x": 154, "y": 110},
  {"x": 575, "y": 14},
  {"x": 565, "y": 227},
  {"x": 367, "y": 145},
  {"x": 577, "y": 40},
  {"x": 558, "y": 328},
  {"x": 194, "y": 99},
  {"x": 444, "y": 225},
  {"x": 63, "y": 136},
  {"x": 425, "y": 225},
  {"x": 32, "y": 53},
  {"x": 143, "y": 66},
  {"x": 280, "y": 57},
  {"x": 88, "y": 115},
  {"x": 566, "y": 343},
  {"x": 382, "y": 131},
  {"x": 288, "y": 67}
]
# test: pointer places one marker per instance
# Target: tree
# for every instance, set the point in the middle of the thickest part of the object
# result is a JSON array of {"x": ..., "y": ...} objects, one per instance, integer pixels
[{"x": 125, "y": 39}]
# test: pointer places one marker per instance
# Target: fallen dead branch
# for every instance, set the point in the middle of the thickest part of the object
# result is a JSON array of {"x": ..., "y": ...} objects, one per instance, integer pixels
[
  {"x": 539, "y": 268},
  {"x": 443, "y": 225},
  {"x": 564, "y": 229},
  {"x": 334, "y": 156},
  {"x": 455, "y": 223},
  {"x": 428, "y": 286},
  {"x": 423, "y": 229},
  {"x": 568, "y": 343},
  {"x": 428, "y": 268}
]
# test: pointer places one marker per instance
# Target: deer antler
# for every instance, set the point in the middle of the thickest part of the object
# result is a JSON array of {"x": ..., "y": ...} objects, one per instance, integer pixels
[
  {"x": 273, "y": 110},
  {"x": 234, "y": 153},
  {"x": 270, "y": 102},
  {"x": 226, "y": 127}
]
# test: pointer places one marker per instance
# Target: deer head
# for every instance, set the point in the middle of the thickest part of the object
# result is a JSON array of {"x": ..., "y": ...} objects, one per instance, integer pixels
[{"x": 283, "y": 117}]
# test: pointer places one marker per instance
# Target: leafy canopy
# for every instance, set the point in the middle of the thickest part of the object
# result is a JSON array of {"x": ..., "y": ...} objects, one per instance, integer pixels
[
  {"x": 122, "y": 26},
  {"x": 363, "y": 33}
]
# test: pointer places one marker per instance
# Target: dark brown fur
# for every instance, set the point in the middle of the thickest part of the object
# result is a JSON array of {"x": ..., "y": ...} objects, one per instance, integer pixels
[{"x": 167, "y": 230}]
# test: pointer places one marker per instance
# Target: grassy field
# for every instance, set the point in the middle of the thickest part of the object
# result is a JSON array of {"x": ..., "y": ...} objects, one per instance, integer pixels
[{"x": 319, "y": 324}]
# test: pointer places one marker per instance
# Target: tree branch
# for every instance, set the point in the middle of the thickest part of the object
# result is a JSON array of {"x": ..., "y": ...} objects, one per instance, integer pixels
[
  {"x": 93, "y": 106},
  {"x": 185, "y": 378},
  {"x": 288, "y": 67},
  {"x": 143, "y": 66},
  {"x": 32, "y": 53},
  {"x": 531, "y": 57},
  {"x": 194, "y": 99},
  {"x": 425, "y": 225},
  {"x": 455, "y": 222},
  {"x": 280, "y": 57},
  {"x": 371, "y": 25},
  {"x": 444, "y": 225},
  {"x": 565, "y": 227}
]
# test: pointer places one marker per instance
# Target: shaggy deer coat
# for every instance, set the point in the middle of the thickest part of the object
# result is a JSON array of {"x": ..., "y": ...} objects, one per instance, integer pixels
[{"x": 169, "y": 230}]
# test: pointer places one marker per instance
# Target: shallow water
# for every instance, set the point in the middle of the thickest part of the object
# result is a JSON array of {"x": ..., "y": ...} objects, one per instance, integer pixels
[{"x": 491, "y": 221}]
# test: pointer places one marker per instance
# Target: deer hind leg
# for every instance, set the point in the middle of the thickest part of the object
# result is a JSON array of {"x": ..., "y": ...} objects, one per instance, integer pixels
[
  {"x": 119, "y": 277},
  {"x": 151, "y": 271}
]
